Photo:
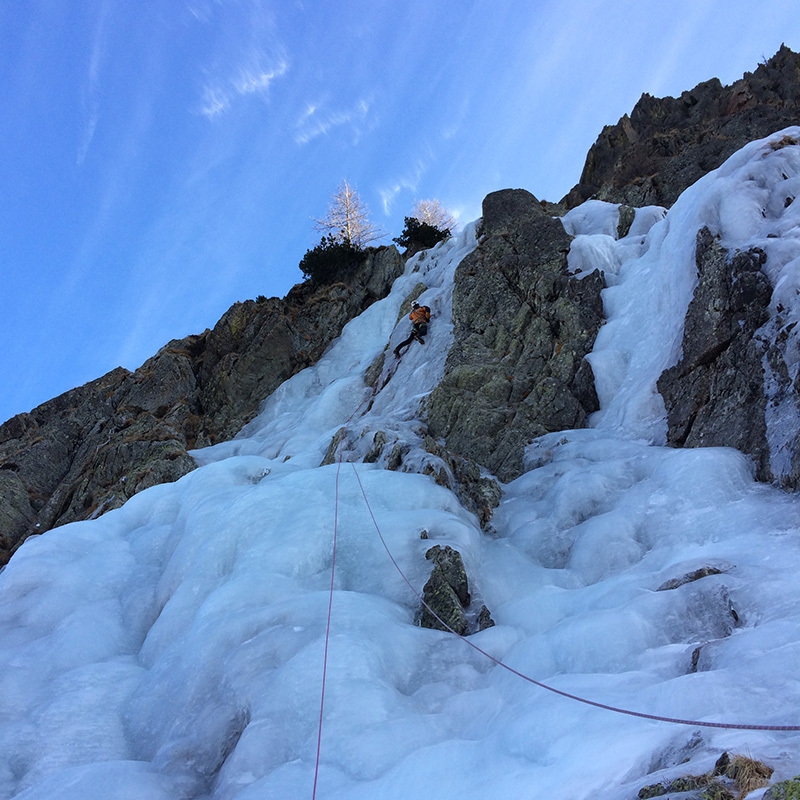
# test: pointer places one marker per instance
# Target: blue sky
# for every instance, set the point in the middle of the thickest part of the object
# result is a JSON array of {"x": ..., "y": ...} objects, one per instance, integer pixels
[{"x": 162, "y": 159}]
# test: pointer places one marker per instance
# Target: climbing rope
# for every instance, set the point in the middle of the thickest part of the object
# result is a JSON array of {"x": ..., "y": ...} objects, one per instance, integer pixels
[
  {"x": 366, "y": 401},
  {"x": 330, "y": 590},
  {"x": 486, "y": 654},
  {"x": 545, "y": 686}
]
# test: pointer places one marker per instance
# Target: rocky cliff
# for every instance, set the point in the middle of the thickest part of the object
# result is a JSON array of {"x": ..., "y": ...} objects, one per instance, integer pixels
[
  {"x": 736, "y": 383},
  {"x": 522, "y": 328},
  {"x": 90, "y": 449},
  {"x": 715, "y": 394},
  {"x": 650, "y": 156}
]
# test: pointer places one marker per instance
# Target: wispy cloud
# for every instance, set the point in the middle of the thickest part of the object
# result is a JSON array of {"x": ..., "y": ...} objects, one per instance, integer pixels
[
  {"x": 409, "y": 182},
  {"x": 316, "y": 121},
  {"x": 453, "y": 126},
  {"x": 245, "y": 56},
  {"x": 90, "y": 102},
  {"x": 220, "y": 95}
]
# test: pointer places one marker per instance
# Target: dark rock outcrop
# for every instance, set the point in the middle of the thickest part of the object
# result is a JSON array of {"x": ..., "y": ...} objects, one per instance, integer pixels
[
  {"x": 715, "y": 395},
  {"x": 730, "y": 778},
  {"x": 522, "y": 327},
  {"x": 90, "y": 449},
  {"x": 689, "y": 577},
  {"x": 686, "y": 783},
  {"x": 446, "y": 595},
  {"x": 477, "y": 492},
  {"x": 666, "y": 144},
  {"x": 257, "y": 346}
]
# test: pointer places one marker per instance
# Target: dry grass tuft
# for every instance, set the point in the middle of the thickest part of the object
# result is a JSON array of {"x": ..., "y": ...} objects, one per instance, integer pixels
[
  {"x": 748, "y": 774},
  {"x": 786, "y": 141}
]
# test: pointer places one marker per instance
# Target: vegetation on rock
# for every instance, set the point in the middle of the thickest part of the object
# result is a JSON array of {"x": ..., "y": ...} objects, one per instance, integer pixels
[
  {"x": 784, "y": 790},
  {"x": 419, "y": 235},
  {"x": 331, "y": 260}
]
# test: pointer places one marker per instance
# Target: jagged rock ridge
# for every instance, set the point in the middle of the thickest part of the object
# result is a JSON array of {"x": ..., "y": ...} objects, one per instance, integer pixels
[{"x": 666, "y": 144}]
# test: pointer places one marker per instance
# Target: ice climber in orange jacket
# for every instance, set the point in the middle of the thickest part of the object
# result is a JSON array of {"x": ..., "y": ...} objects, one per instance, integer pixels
[{"x": 420, "y": 316}]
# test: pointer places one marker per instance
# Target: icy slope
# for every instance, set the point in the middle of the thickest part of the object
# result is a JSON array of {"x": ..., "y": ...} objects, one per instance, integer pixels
[
  {"x": 748, "y": 202},
  {"x": 174, "y": 648}
]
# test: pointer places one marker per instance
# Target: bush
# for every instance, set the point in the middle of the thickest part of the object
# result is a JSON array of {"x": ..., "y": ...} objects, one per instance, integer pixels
[
  {"x": 331, "y": 260},
  {"x": 418, "y": 235}
]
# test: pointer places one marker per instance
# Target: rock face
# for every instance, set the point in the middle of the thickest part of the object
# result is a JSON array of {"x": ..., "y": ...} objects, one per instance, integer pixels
[
  {"x": 90, "y": 449},
  {"x": 666, "y": 144},
  {"x": 522, "y": 326},
  {"x": 477, "y": 492},
  {"x": 715, "y": 394},
  {"x": 445, "y": 594},
  {"x": 446, "y": 597}
]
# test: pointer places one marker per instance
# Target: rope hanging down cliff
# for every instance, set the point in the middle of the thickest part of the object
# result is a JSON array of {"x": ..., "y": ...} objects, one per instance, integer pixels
[
  {"x": 568, "y": 695},
  {"x": 494, "y": 659}
]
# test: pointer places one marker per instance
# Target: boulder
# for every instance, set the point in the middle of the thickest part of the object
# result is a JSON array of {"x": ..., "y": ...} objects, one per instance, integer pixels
[{"x": 446, "y": 594}]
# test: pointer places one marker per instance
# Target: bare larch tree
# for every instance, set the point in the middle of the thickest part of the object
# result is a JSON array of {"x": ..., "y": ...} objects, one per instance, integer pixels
[
  {"x": 348, "y": 219},
  {"x": 431, "y": 212}
]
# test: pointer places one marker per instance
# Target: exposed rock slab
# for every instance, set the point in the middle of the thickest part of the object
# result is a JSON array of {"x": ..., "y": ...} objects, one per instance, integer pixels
[
  {"x": 689, "y": 577},
  {"x": 715, "y": 395},
  {"x": 522, "y": 327}
]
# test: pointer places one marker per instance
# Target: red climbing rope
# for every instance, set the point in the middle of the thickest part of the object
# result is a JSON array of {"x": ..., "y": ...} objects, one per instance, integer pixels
[
  {"x": 552, "y": 689},
  {"x": 330, "y": 592},
  {"x": 327, "y": 627}
]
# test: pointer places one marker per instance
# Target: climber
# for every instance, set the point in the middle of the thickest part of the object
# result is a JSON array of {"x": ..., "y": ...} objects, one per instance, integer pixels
[{"x": 420, "y": 316}]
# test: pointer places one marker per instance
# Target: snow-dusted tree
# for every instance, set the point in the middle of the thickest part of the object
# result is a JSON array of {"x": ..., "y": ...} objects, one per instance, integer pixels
[
  {"x": 348, "y": 219},
  {"x": 431, "y": 212},
  {"x": 428, "y": 225}
]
